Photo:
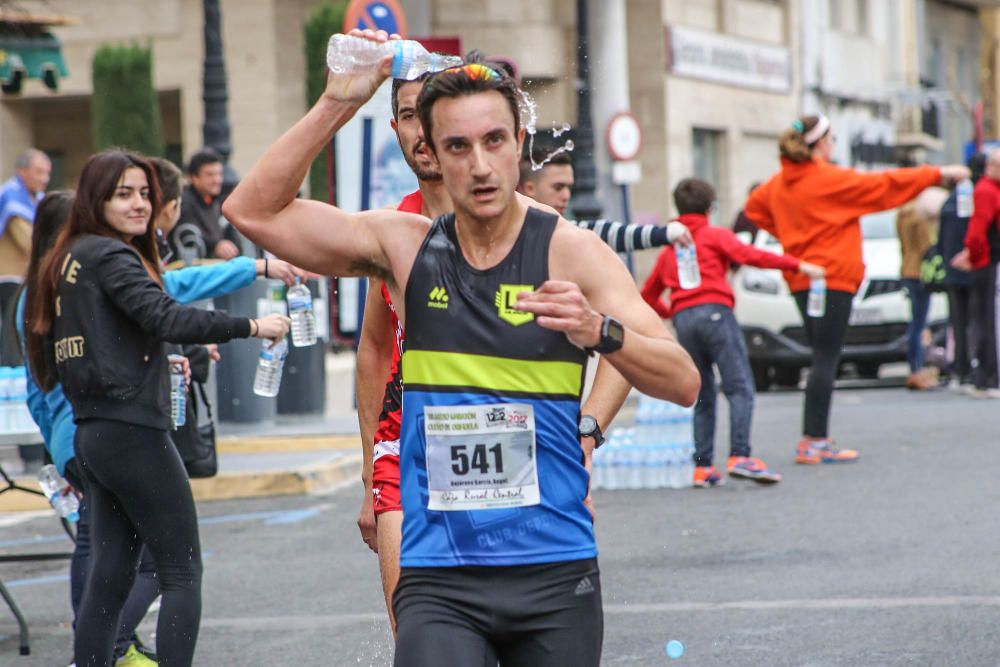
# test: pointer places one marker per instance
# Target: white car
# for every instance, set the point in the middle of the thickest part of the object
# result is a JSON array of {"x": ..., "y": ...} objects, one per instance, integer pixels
[{"x": 772, "y": 326}]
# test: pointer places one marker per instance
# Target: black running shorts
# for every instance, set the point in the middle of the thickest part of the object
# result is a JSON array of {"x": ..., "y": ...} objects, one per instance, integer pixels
[{"x": 524, "y": 616}]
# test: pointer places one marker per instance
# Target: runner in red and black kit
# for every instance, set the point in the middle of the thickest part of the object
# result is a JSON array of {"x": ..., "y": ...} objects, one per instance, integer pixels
[{"x": 385, "y": 471}]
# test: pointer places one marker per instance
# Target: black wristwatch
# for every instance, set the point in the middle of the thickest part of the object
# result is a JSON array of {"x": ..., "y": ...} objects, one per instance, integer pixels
[
  {"x": 589, "y": 428},
  {"x": 612, "y": 337}
]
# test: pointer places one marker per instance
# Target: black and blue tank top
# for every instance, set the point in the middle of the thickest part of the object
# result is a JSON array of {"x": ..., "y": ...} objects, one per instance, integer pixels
[{"x": 490, "y": 465}]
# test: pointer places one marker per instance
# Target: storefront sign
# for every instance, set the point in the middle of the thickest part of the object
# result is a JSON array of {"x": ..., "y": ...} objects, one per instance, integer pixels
[{"x": 722, "y": 59}]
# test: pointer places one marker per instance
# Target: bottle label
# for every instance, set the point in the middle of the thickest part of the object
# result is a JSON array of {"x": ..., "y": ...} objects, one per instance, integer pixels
[{"x": 299, "y": 303}]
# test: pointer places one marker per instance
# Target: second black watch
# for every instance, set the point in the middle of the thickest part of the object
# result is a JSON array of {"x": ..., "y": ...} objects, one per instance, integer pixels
[
  {"x": 612, "y": 337},
  {"x": 589, "y": 428}
]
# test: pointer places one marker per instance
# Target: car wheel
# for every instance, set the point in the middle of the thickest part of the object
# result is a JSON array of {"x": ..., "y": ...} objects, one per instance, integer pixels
[
  {"x": 868, "y": 370},
  {"x": 761, "y": 375},
  {"x": 787, "y": 376}
]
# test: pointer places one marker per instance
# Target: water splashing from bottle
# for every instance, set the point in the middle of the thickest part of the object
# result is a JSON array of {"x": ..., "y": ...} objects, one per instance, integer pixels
[{"x": 529, "y": 117}]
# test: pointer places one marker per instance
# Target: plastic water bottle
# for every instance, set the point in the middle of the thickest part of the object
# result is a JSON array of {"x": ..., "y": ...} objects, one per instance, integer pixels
[
  {"x": 300, "y": 310},
  {"x": 346, "y": 54},
  {"x": 687, "y": 266},
  {"x": 178, "y": 406},
  {"x": 269, "y": 367},
  {"x": 65, "y": 504},
  {"x": 963, "y": 198},
  {"x": 816, "y": 302}
]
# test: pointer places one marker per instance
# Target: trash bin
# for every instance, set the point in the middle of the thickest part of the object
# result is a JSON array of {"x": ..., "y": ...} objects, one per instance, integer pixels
[
  {"x": 235, "y": 372},
  {"x": 303, "y": 384}
]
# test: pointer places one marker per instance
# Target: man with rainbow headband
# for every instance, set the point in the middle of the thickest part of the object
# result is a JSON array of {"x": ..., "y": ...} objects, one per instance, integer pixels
[{"x": 501, "y": 303}]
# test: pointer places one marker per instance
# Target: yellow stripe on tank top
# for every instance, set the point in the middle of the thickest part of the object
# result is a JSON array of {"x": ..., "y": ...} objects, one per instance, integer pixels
[{"x": 454, "y": 369}]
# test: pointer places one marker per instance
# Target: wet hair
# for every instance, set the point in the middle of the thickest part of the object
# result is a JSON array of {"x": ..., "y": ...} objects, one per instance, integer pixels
[
  {"x": 475, "y": 77},
  {"x": 792, "y": 143},
  {"x": 541, "y": 152},
  {"x": 97, "y": 185},
  {"x": 169, "y": 178},
  {"x": 693, "y": 195},
  {"x": 203, "y": 157},
  {"x": 51, "y": 216}
]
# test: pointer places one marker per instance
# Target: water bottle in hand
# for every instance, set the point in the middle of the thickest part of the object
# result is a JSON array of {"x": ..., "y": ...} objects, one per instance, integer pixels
[
  {"x": 300, "y": 310},
  {"x": 963, "y": 199},
  {"x": 269, "y": 367},
  {"x": 347, "y": 54},
  {"x": 56, "y": 488},
  {"x": 178, "y": 400},
  {"x": 816, "y": 302},
  {"x": 688, "y": 272}
]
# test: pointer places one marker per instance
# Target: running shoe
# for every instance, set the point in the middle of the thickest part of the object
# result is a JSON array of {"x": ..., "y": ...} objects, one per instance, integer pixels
[
  {"x": 706, "y": 476},
  {"x": 752, "y": 469},
  {"x": 133, "y": 658},
  {"x": 814, "y": 452}
]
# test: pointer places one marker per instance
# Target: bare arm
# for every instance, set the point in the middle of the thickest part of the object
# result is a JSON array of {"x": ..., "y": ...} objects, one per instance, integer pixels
[
  {"x": 577, "y": 296},
  {"x": 373, "y": 363},
  {"x": 309, "y": 234}
]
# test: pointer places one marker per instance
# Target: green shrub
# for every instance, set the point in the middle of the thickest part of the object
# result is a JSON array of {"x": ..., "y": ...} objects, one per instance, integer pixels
[
  {"x": 125, "y": 109},
  {"x": 325, "y": 20}
]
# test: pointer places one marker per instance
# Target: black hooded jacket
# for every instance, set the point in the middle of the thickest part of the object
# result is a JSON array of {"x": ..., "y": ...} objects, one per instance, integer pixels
[{"x": 111, "y": 323}]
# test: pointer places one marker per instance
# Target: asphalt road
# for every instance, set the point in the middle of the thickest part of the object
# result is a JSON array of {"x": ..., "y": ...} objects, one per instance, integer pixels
[{"x": 889, "y": 561}]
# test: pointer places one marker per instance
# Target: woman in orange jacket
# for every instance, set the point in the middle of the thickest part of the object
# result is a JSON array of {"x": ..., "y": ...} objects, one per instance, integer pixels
[{"x": 812, "y": 207}]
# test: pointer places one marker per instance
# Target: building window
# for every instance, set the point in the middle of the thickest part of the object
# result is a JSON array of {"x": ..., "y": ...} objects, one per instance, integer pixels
[
  {"x": 849, "y": 16},
  {"x": 706, "y": 154}
]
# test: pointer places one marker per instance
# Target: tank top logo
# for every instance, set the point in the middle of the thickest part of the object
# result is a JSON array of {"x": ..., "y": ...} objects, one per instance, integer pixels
[
  {"x": 438, "y": 298},
  {"x": 505, "y": 300}
]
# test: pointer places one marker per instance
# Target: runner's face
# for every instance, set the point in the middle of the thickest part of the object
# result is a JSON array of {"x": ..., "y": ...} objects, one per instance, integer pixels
[
  {"x": 411, "y": 135},
  {"x": 477, "y": 150},
  {"x": 128, "y": 210}
]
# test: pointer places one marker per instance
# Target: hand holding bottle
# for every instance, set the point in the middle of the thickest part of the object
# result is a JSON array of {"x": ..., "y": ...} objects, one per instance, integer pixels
[
  {"x": 358, "y": 87},
  {"x": 679, "y": 234},
  {"x": 811, "y": 270},
  {"x": 273, "y": 327},
  {"x": 953, "y": 173}
]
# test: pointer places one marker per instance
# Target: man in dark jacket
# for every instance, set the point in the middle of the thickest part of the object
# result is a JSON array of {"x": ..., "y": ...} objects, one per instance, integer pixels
[{"x": 199, "y": 234}]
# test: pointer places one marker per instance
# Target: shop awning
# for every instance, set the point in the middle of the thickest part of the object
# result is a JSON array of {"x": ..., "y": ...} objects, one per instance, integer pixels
[{"x": 30, "y": 57}]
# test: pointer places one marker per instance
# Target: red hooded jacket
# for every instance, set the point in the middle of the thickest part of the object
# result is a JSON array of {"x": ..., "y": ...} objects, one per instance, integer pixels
[{"x": 717, "y": 249}]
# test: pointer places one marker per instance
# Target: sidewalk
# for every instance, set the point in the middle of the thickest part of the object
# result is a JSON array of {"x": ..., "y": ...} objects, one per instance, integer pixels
[{"x": 291, "y": 456}]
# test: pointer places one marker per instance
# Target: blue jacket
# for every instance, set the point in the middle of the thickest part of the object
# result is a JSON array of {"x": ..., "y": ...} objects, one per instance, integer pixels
[{"x": 53, "y": 413}]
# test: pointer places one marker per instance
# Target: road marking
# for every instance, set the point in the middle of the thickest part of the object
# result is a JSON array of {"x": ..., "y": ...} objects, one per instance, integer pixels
[
  {"x": 24, "y": 541},
  {"x": 34, "y": 581},
  {"x": 823, "y": 604}
]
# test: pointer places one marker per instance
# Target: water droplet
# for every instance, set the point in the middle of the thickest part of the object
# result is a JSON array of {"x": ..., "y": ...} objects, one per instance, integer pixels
[
  {"x": 528, "y": 107},
  {"x": 561, "y": 130}
]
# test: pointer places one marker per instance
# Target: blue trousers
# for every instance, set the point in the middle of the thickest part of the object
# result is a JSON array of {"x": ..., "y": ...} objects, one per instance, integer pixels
[
  {"x": 713, "y": 338},
  {"x": 920, "y": 303}
]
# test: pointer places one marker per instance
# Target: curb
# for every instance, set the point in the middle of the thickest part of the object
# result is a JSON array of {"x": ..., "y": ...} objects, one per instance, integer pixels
[{"x": 303, "y": 480}]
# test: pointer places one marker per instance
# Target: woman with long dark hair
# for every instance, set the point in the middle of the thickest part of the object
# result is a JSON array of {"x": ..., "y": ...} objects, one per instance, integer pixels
[
  {"x": 812, "y": 206},
  {"x": 98, "y": 319}
]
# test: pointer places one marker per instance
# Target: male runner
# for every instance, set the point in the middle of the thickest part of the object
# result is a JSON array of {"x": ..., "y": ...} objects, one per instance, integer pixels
[
  {"x": 380, "y": 352},
  {"x": 500, "y": 303}
]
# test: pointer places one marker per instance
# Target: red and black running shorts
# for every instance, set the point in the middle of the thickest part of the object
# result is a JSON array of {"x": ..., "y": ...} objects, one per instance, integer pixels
[{"x": 385, "y": 477}]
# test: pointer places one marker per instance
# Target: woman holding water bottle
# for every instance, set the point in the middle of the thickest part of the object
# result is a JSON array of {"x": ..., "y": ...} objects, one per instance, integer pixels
[
  {"x": 98, "y": 321},
  {"x": 812, "y": 206}
]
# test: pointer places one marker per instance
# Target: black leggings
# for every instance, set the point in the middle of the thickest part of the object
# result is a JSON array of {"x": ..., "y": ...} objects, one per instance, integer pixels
[
  {"x": 521, "y": 616},
  {"x": 983, "y": 318},
  {"x": 826, "y": 336},
  {"x": 138, "y": 493}
]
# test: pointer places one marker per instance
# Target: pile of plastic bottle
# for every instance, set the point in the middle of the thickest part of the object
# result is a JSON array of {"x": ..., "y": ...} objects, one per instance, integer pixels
[
  {"x": 14, "y": 415},
  {"x": 654, "y": 454}
]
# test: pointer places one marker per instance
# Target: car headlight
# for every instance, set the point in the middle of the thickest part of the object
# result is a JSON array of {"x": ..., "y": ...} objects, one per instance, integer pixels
[{"x": 760, "y": 282}]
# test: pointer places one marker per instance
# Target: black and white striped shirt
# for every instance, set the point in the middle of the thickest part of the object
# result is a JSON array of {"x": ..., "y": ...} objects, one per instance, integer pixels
[{"x": 626, "y": 237}]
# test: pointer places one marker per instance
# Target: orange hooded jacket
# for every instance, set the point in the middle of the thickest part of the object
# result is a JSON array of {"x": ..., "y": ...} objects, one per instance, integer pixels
[{"x": 813, "y": 209}]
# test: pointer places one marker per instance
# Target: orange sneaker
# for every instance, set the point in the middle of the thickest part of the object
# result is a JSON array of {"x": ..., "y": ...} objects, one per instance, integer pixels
[
  {"x": 814, "y": 452},
  {"x": 752, "y": 469},
  {"x": 706, "y": 476}
]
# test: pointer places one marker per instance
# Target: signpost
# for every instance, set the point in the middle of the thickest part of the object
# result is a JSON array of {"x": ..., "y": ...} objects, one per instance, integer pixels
[
  {"x": 624, "y": 139},
  {"x": 375, "y": 15}
]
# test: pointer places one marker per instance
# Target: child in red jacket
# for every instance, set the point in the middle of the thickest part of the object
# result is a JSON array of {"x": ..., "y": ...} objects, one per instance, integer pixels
[{"x": 706, "y": 327}]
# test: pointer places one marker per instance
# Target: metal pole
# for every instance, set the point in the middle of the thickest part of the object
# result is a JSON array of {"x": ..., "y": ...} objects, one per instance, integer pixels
[
  {"x": 584, "y": 204},
  {"x": 215, "y": 131},
  {"x": 627, "y": 219}
]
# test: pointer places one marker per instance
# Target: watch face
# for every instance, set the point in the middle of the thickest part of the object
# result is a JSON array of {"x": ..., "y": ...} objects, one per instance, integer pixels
[
  {"x": 616, "y": 331},
  {"x": 588, "y": 425}
]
